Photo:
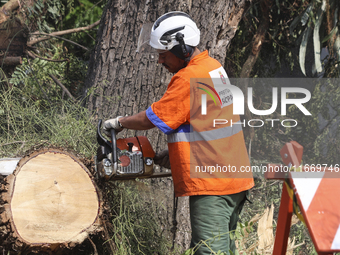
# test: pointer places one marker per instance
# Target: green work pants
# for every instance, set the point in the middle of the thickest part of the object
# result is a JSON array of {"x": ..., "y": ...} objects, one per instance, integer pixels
[{"x": 212, "y": 219}]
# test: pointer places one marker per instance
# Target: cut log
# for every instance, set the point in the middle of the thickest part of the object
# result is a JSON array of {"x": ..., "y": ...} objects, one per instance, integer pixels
[
  {"x": 7, "y": 9},
  {"x": 52, "y": 201},
  {"x": 11, "y": 61}
]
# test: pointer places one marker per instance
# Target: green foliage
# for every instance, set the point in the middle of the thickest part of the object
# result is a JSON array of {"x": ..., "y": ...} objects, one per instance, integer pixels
[
  {"x": 33, "y": 76},
  {"x": 85, "y": 13},
  {"x": 34, "y": 109},
  {"x": 24, "y": 123},
  {"x": 46, "y": 16},
  {"x": 292, "y": 23},
  {"x": 298, "y": 31},
  {"x": 319, "y": 16},
  {"x": 319, "y": 132},
  {"x": 82, "y": 13},
  {"x": 277, "y": 49},
  {"x": 43, "y": 15}
]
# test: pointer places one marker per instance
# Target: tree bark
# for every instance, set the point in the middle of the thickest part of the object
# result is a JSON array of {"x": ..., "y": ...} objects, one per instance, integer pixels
[
  {"x": 51, "y": 203},
  {"x": 123, "y": 82}
]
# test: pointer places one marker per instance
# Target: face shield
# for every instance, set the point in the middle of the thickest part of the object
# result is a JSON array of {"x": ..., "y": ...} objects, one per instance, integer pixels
[{"x": 143, "y": 45}]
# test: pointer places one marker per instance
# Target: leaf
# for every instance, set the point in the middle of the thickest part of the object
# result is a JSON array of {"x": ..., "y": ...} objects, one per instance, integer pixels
[
  {"x": 337, "y": 46},
  {"x": 316, "y": 38},
  {"x": 278, "y": 6},
  {"x": 238, "y": 235},
  {"x": 53, "y": 10},
  {"x": 305, "y": 15},
  {"x": 327, "y": 37},
  {"x": 294, "y": 23},
  {"x": 242, "y": 231},
  {"x": 188, "y": 252},
  {"x": 303, "y": 48}
]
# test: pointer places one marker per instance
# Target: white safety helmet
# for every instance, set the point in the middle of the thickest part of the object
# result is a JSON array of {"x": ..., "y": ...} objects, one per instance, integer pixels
[{"x": 172, "y": 24}]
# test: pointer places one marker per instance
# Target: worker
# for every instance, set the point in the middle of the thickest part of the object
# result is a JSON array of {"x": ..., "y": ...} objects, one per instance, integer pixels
[{"x": 206, "y": 160}]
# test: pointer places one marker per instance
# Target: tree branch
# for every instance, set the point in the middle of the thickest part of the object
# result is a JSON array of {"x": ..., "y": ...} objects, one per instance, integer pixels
[
  {"x": 62, "y": 86},
  {"x": 58, "y": 33},
  {"x": 33, "y": 55},
  {"x": 62, "y": 38},
  {"x": 258, "y": 40}
]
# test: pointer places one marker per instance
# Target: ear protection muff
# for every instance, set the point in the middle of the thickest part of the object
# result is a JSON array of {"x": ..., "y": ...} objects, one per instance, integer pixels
[{"x": 182, "y": 50}]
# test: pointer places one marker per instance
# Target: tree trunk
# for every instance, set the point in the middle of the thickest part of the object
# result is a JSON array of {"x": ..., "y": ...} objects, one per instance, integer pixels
[
  {"x": 123, "y": 82},
  {"x": 51, "y": 203}
]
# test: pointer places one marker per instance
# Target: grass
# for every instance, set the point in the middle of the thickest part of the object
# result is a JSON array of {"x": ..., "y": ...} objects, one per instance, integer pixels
[
  {"x": 135, "y": 219},
  {"x": 24, "y": 123}
]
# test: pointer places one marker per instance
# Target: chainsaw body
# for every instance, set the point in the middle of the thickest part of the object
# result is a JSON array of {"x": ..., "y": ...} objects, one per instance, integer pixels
[{"x": 125, "y": 158}]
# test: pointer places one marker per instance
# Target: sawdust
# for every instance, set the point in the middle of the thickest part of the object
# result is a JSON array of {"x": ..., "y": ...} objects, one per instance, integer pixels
[{"x": 266, "y": 234}]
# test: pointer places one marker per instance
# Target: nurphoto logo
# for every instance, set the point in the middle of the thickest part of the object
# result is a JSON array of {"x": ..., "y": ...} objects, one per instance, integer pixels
[{"x": 226, "y": 94}]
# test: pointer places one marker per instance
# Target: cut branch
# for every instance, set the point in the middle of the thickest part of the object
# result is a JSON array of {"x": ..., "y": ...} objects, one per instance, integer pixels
[
  {"x": 5, "y": 11},
  {"x": 64, "y": 39},
  {"x": 58, "y": 33},
  {"x": 11, "y": 61},
  {"x": 62, "y": 86},
  {"x": 34, "y": 56}
]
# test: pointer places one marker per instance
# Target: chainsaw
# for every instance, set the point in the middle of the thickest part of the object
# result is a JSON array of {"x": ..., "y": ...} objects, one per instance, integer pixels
[
  {"x": 126, "y": 158},
  {"x": 118, "y": 159}
]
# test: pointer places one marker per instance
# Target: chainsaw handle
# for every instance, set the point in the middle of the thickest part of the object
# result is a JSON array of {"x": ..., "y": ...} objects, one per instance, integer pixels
[
  {"x": 114, "y": 145},
  {"x": 104, "y": 142},
  {"x": 100, "y": 138}
]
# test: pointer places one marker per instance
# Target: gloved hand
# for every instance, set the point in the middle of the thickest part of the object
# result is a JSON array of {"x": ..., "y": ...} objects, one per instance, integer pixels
[
  {"x": 162, "y": 159},
  {"x": 112, "y": 124}
]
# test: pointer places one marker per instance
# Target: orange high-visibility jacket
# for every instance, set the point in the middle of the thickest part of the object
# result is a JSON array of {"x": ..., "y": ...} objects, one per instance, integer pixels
[{"x": 205, "y": 160}]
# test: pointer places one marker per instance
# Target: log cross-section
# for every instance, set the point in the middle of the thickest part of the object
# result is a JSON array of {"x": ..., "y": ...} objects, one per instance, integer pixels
[{"x": 53, "y": 201}]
